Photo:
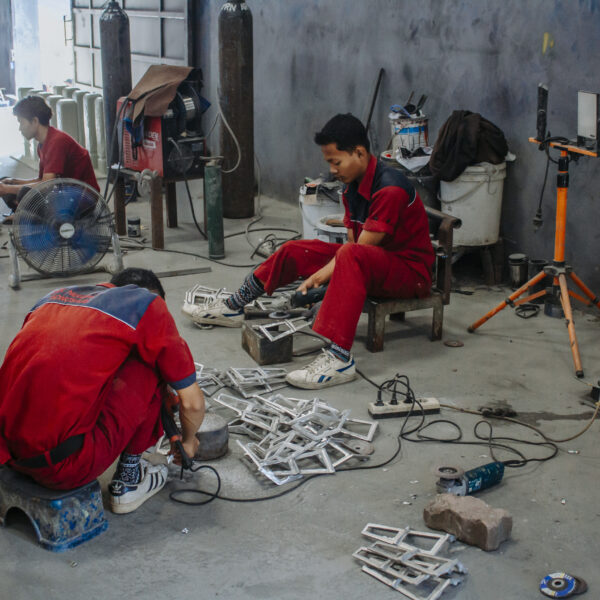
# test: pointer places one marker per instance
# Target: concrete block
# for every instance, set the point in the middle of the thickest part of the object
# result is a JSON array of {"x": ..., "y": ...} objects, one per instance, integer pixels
[{"x": 469, "y": 519}]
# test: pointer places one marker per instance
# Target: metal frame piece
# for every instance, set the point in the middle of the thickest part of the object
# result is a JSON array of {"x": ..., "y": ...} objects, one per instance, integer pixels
[
  {"x": 417, "y": 573},
  {"x": 292, "y": 326},
  {"x": 400, "y": 585},
  {"x": 401, "y": 534},
  {"x": 292, "y": 437}
]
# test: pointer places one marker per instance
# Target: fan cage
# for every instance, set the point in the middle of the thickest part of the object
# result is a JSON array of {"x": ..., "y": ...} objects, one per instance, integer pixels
[{"x": 62, "y": 227}]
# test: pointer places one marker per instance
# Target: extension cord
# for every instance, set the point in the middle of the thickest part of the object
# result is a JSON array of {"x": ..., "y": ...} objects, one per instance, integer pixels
[{"x": 389, "y": 411}]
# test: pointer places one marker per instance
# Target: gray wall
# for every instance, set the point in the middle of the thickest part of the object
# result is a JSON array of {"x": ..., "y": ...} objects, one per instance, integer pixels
[{"x": 314, "y": 58}]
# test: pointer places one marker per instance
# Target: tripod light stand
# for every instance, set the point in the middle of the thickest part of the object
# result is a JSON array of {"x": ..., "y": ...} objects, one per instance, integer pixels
[{"x": 558, "y": 271}]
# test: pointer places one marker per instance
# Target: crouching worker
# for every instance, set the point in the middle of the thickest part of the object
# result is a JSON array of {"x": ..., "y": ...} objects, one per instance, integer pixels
[
  {"x": 388, "y": 254},
  {"x": 83, "y": 382}
]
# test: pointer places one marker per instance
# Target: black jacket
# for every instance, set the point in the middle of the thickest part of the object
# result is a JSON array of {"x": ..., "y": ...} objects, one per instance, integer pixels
[{"x": 465, "y": 139}]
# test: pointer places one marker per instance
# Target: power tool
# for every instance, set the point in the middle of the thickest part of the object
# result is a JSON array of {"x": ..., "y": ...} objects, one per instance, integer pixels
[
  {"x": 311, "y": 297},
  {"x": 454, "y": 480},
  {"x": 169, "y": 407}
]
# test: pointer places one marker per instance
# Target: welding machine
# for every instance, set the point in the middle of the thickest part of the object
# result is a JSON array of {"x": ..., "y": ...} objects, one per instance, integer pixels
[{"x": 173, "y": 144}]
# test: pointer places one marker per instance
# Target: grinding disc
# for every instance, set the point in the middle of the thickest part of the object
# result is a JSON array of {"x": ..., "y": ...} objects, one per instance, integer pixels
[
  {"x": 453, "y": 343},
  {"x": 360, "y": 447},
  {"x": 562, "y": 585},
  {"x": 279, "y": 314},
  {"x": 446, "y": 472}
]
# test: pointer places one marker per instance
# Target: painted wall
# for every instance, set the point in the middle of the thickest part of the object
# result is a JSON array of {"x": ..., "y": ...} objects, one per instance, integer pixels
[{"x": 314, "y": 58}]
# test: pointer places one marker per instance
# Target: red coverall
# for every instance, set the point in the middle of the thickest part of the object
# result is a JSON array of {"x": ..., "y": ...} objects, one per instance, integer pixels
[
  {"x": 89, "y": 360},
  {"x": 62, "y": 155},
  {"x": 385, "y": 201}
]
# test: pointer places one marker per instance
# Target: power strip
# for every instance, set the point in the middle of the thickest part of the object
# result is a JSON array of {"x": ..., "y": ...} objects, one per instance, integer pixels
[{"x": 389, "y": 411}]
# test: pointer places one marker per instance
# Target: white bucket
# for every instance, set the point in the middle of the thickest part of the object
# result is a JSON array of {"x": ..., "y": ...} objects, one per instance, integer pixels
[
  {"x": 336, "y": 234},
  {"x": 475, "y": 197},
  {"x": 313, "y": 207}
]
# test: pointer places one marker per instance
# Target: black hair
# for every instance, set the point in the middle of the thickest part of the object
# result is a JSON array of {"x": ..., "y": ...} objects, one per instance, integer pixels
[
  {"x": 31, "y": 107},
  {"x": 345, "y": 131},
  {"x": 140, "y": 277}
]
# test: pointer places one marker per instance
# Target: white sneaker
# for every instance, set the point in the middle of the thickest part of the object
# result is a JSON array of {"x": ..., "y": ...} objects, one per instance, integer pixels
[
  {"x": 326, "y": 370},
  {"x": 126, "y": 497},
  {"x": 214, "y": 312}
]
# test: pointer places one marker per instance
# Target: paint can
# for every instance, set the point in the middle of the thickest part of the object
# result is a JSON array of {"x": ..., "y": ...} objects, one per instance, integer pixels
[
  {"x": 134, "y": 227},
  {"x": 517, "y": 266},
  {"x": 408, "y": 133},
  {"x": 535, "y": 266}
]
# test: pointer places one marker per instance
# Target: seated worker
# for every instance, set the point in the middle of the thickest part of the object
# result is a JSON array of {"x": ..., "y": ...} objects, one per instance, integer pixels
[
  {"x": 83, "y": 382},
  {"x": 60, "y": 155},
  {"x": 388, "y": 254}
]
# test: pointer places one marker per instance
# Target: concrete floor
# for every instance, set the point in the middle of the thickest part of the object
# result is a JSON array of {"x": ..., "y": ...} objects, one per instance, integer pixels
[{"x": 300, "y": 545}]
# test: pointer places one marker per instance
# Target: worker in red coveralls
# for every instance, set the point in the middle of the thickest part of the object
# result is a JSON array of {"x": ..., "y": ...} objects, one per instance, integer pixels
[
  {"x": 388, "y": 254},
  {"x": 83, "y": 383},
  {"x": 60, "y": 155}
]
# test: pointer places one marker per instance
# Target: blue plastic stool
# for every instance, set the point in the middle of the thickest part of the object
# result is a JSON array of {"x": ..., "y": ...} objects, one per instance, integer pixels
[{"x": 62, "y": 519}]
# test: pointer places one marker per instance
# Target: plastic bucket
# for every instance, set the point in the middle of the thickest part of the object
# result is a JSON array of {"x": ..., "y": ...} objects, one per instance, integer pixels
[
  {"x": 475, "y": 197},
  {"x": 336, "y": 234},
  {"x": 313, "y": 207}
]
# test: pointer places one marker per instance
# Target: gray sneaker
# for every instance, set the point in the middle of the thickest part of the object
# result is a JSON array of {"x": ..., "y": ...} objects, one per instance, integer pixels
[
  {"x": 326, "y": 370},
  {"x": 214, "y": 312}
]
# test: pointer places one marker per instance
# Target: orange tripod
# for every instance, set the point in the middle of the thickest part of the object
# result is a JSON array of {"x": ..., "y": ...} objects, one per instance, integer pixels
[{"x": 558, "y": 270}]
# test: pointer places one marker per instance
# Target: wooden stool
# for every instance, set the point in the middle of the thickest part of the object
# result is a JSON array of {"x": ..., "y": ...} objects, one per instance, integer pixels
[{"x": 441, "y": 228}]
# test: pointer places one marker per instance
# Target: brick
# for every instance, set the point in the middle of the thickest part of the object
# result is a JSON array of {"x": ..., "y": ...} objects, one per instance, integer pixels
[{"x": 469, "y": 519}]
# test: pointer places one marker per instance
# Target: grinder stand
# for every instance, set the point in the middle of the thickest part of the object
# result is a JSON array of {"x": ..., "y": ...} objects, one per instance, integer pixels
[{"x": 558, "y": 270}]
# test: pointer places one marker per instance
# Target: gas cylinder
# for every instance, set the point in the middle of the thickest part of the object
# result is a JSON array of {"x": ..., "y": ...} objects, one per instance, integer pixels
[
  {"x": 236, "y": 76},
  {"x": 116, "y": 69}
]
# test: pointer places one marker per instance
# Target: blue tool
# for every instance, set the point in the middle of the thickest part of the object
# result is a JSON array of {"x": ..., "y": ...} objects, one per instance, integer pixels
[
  {"x": 454, "y": 480},
  {"x": 562, "y": 585}
]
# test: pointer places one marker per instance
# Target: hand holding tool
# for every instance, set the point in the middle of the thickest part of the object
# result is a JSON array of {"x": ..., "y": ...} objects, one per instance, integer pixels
[{"x": 167, "y": 410}]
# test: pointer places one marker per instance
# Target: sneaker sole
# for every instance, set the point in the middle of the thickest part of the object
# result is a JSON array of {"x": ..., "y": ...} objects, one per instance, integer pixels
[
  {"x": 220, "y": 321},
  {"x": 313, "y": 385},
  {"x": 122, "y": 509}
]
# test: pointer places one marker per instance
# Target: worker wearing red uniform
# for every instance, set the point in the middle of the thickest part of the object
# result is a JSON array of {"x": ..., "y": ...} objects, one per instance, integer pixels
[
  {"x": 83, "y": 382},
  {"x": 388, "y": 254},
  {"x": 60, "y": 155}
]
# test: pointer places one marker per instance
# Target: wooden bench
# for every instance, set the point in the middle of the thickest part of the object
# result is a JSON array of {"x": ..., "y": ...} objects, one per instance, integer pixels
[{"x": 441, "y": 228}]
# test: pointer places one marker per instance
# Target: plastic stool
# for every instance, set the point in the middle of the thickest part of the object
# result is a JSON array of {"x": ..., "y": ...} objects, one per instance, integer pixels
[{"x": 62, "y": 519}]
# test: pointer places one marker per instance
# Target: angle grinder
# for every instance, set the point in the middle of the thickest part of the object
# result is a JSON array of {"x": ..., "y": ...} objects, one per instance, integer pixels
[
  {"x": 311, "y": 297},
  {"x": 454, "y": 480}
]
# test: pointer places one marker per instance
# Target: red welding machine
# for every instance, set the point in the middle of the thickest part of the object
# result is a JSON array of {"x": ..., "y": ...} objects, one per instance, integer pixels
[{"x": 172, "y": 144}]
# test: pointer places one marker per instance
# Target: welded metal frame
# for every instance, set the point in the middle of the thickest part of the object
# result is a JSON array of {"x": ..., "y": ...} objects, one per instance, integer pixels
[{"x": 291, "y": 325}]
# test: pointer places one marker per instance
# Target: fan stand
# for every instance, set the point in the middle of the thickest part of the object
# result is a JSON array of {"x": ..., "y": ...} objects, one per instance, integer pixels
[
  {"x": 15, "y": 277},
  {"x": 558, "y": 270}
]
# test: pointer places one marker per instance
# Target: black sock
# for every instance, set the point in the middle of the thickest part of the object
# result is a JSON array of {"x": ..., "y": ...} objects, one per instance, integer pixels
[
  {"x": 250, "y": 290},
  {"x": 128, "y": 468},
  {"x": 340, "y": 352}
]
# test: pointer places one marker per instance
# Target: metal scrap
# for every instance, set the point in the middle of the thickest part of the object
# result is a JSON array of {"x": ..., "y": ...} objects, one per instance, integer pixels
[
  {"x": 293, "y": 437},
  {"x": 418, "y": 572},
  {"x": 201, "y": 294}
]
